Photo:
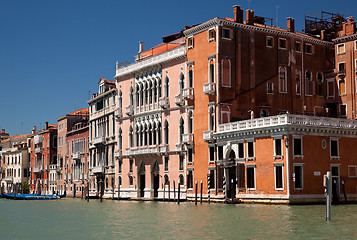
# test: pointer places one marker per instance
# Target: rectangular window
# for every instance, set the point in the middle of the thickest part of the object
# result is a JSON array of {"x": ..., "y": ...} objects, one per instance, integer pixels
[
  {"x": 250, "y": 149},
  {"x": 190, "y": 155},
  {"x": 120, "y": 165},
  {"x": 343, "y": 110},
  {"x": 330, "y": 88},
  {"x": 251, "y": 177},
  {"x": 308, "y": 49},
  {"x": 131, "y": 165},
  {"x": 190, "y": 42},
  {"x": 220, "y": 152},
  {"x": 270, "y": 41},
  {"x": 270, "y": 88},
  {"x": 211, "y": 35},
  {"x": 226, "y": 33},
  {"x": 189, "y": 179},
  {"x": 342, "y": 86},
  {"x": 334, "y": 148},
  {"x": 278, "y": 147},
  {"x": 356, "y": 45},
  {"x": 297, "y": 146},
  {"x": 282, "y": 43},
  {"x": 211, "y": 154},
  {"x": 298, "y": 46},
  {"x": 181, "y": 162},
  {"x": 240, "y": 150},
  {"x": 166, "y": 163},
  {"x": 298, "y": 173},
  {"x": 278, "y": 177},
  {"x": 241, "y": 175},
  {"x": 298, "y": 82},
  {"x": 341, "y": 48}
]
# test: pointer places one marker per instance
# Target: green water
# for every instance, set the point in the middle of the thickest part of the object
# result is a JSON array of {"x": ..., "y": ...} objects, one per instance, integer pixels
[{"x": 77, "y": 219}]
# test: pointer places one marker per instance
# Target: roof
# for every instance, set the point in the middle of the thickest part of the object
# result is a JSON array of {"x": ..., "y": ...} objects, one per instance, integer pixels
[
  {"x": 11, "y": 138},
  {"x": 106, "y": 81},
  {"x": 162, "y": 47}
]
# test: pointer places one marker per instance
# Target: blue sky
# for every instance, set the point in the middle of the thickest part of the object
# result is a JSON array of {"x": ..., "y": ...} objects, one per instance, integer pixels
[{"x": 52, "y": 53}]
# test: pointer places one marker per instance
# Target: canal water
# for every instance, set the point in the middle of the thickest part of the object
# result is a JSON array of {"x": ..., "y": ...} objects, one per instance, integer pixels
[{"x": 77, "y": 219}]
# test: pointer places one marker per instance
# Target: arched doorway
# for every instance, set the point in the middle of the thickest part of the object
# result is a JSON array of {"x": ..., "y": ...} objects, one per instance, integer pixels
[
  {"x": 155, "y": 178},
  {"x": 231, "y": 175},
  {"x": 141, "y": 176}
]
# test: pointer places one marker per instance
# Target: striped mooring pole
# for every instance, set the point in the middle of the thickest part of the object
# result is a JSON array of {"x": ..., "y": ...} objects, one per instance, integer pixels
[
  {"x": 224, "y": 188},
  {"x": 209, "y": 187}
]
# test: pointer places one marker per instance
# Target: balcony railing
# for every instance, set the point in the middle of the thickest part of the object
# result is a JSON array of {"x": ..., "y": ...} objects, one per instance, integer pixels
[
  {"x": 188, "y": 93},
  {"x": 187, "y": 138},
  {"x": 164, "y": 148},
  {"x": 179, "y": 147},
  {"x": 129, "y": 110},
  {"x": 38, "y": 150},
  {"x": 208, "y": 136},
  {"x": 287, "y": 119},
  {"x": 53, "y": 167},
  {"x": 76, "y": 155},
  {"x": 179, "y": 100},
  {"x": 37, "y": 169},
  {"x": 145, "y": 150},
  {"x": 38, "y": 139},
  {"x": 164, "y": 102},
  {"x": 117, "y": 153},
  {"x": 98, "y": 169},
  {"x": 118, "y": 113},
  {"x": 99, "y": 140},
  {"x": 209, "y": 88}
]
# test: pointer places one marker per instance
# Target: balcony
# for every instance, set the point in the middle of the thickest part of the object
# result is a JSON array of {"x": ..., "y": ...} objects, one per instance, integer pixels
[
  {"x": 164, "y": 148},
  {"x": 117, "y": 153},
  {"x": 187, "y": 138},
  {"x": 58, "y": 167},
  {"x": 99, "y": 140},
  {"x": 38, "y": 150},
  {"x": 69, "y": 177},
  {"x": 208, "y": 136},
  {"x": 8, "y": 179},
  {"x": 98, "y": 169},
  {"x": 76, "y": 155},
  {"x": 180, "y": 147},
  {"x": 145, "y": 150},
  {"x": 341, "y": 73},
  {"x": 209, "y": 88},
  {"x": 188, "y": 93},
  {"x": 37, "y": 169},
  {"x": 179, "y": 100},
  {"x": 38, "y": 139},
  {"x": 164, "y": 102},
  {"x": 118, "y": 113},
  {"x": 129, "y": 110},
  {"x": 53, "y": 167}
]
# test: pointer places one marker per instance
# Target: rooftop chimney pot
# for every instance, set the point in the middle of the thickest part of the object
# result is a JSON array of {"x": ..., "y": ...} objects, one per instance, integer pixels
[
  {"x": 141, "y": 47},
  {"x": 238, "y": 14},
  {"x": 46, "y": 125},
  {"x": 290, "y": 24},
  {"x": 249, "y": 17}
]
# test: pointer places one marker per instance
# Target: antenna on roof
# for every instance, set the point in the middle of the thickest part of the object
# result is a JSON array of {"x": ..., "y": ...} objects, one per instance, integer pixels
[
  {"x": 277, "y": 15},
  {"x": 249, "y": 3}
]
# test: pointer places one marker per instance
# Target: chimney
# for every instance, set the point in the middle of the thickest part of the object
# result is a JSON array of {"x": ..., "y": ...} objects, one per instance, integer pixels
[
  {"x": 351, "y": 26},
  {"x": 238, "y": 14},
  {"x": 249, "y": 17},
  {"x": 33, "y": 130},
  {"x": 290, "y": 24},
  {"x": 323, "y": 37},
  {"x": 141, "y": 47},
  {"x": 46, "y": 125}
]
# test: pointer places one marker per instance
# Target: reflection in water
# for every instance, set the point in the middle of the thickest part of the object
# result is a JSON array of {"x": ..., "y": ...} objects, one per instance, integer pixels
[{"x": 77, "y": 219}]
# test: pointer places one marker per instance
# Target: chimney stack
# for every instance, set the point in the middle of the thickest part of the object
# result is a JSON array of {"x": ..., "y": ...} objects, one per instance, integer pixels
[
  {"x": 291, "y": 24},
  {"x": 238, "y": 14},
  {"x": 322, "y": 35},
  {"x": 141, "y": 47},
  {"x": 46, "y": 125},
  {"x": 33, "y": 130},
  {"x": 249, "y": 17}
]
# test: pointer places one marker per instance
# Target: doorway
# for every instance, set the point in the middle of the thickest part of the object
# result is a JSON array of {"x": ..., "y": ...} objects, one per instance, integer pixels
[
  {"x": 141, "y": 175},
  {"x": 155, "y": 176},
  {"x": 335, "y": 184},
  {"x": 232, "y": 175}
]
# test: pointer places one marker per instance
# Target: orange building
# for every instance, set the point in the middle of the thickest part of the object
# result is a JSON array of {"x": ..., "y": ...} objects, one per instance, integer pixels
[{"x": 43, "y": 153}]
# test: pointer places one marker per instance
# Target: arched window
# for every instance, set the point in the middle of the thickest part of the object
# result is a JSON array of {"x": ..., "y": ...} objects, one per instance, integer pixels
[
  {"x": 159, "y": 88},
  {"x": 166, "y": 132},
  {"x": 282, "y": 80},
  {"x": 159, "y": 133},
  {"x": 131, "y": 97},
  {"x": 106, "y": 183},
  {"x": 190, "y": 77},
  {"x": 131, "y": 137},
  {"x": 319, "y": 81},
  {"x": 308, "y": 83},
  {"x": 137, "y": 95},
  {"x": 263, "y": 113},
  {"x": 181, "y": 180},
  {"x": 137, "y": 132},
  {"x": 154, "y": 133},
  {"x": 166, "y": 178},
  {"x": 190, "y": 122},
  {"x": 131, "y": 182},
  {"x": 146, "y": 87},
  {"x": 182, "y": 82},
  {"x": 120, "y": 139},
  {"x": 141, "y": 94},
  {"x": 155, "y": 91},
  {"x": 211, "y": 71},
  {"x": 211, "y": 119},
  {"x": 150, "y": 92},
  {"x": 298, "y": 82},
  {"x": 119, "y": 181},
  {"x": 113, "y": 183},
  {"x": 120, "y": 99},
  {"x": 167, "y": 87},
  {"x": 181, "y": 129}
]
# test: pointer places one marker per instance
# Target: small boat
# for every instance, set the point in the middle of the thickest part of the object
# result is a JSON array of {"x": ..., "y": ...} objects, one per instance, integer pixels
[{"x": 41, "y": 197}]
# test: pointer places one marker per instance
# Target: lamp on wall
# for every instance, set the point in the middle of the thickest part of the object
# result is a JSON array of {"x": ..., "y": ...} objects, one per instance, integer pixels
[{"x": 286, "y": 142}]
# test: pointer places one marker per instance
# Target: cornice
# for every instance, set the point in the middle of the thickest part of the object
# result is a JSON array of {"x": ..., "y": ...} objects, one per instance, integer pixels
[
  {"x": 223, "y": 22},
  {"x": 168, "y": 56},
  {"x": 102, "y": 95},
  {"x": 345, "y": 39}
]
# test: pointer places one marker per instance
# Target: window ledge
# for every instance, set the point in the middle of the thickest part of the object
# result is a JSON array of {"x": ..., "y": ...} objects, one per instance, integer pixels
[
  {"x": 189, "y": 163},
  {"x": 278, "y": 157},
  {"x": 335, "y": 157},
  {"x": 279, "y": 189},
  {"x": 211, "y": 162},
  {"x": 298, "y": 156},
  {"x": 250, "y": 158}
]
